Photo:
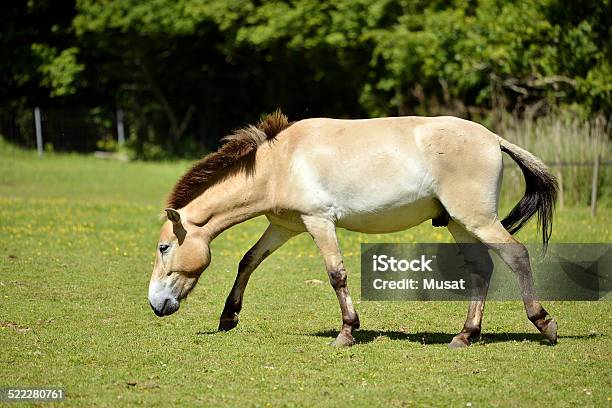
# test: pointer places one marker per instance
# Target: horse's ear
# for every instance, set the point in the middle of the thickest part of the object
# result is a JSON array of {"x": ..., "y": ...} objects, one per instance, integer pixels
[{"x": 173, "y": 215}]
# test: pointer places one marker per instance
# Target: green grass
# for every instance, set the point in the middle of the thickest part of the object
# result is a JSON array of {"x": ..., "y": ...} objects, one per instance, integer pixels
[{"x": 78, "y": 237}]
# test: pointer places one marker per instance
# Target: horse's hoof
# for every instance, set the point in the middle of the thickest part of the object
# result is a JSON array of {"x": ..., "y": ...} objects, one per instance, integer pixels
[
  {"x": 227, "y": 324},
  {"x": 458, "y": 342},
  {"x": 550, "y": 331},
  {"x": 343, "y": 340}
]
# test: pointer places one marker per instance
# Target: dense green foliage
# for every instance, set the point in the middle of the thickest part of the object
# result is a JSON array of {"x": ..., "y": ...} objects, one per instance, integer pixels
[
  {"x": 79, "y": 235},
  {"x": 187, "y": 71}
]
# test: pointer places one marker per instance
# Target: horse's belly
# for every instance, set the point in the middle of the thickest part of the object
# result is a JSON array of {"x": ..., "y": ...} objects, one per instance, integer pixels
[
  {"x": 363, "y": 186},
  {"x": 391, "y": 219}
]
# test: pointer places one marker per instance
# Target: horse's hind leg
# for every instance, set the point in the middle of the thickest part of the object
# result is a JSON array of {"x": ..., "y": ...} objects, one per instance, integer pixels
[
  {"x": 272, "y": 239},
  {"x": 516, "y": 256},
  {"x": 479, "y": 263}
]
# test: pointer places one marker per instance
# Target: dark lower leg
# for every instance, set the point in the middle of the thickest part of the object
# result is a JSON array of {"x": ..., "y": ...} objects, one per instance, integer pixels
[
  {"x": 472, "y": 325},
  {"x": 350, "y": 319},
  {"x": 480, "y": 265},
  {"x": 537, "y": 315},
  {"x": 519, "y": 263},
  {"x": 233, "y": 303},
  {"x": 271, "y": 240}
]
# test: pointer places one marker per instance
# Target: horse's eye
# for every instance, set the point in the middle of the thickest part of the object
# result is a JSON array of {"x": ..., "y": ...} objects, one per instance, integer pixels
[{"x": 163, "y": 248}]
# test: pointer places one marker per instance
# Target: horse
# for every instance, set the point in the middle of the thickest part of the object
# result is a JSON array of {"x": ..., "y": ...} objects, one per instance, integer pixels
[{"x": 375, "y": 175}]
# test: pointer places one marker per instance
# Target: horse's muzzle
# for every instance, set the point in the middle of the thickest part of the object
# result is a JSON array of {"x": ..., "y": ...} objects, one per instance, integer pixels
[
  {"x": 168, "y": 307},
  {"x": 162, "y": 299}
]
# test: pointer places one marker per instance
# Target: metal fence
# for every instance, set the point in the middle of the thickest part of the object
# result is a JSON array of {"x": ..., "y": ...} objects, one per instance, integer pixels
[{"x": 77, "y": 130}]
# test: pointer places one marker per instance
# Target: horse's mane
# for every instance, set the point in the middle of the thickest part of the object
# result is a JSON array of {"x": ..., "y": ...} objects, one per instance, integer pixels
[{"x": 231, "y": 156}]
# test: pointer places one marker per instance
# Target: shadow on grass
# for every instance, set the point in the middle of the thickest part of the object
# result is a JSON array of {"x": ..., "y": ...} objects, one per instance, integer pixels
[{"x": 369, "y": 336}]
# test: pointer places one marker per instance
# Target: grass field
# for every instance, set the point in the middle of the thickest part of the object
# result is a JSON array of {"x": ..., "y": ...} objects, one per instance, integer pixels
[{"x": 78, "y": 237}]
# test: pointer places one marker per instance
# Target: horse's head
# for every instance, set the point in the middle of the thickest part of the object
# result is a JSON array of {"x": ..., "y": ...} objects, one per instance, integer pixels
[{"x": 182, "y": 255}]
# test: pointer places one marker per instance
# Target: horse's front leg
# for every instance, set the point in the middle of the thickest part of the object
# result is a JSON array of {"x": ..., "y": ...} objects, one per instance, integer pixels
[
  {"x": 272, "y": 239},
  {"x": 323, "y": 232}
]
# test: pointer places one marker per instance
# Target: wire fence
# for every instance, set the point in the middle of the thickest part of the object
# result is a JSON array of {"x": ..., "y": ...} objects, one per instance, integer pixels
[{"x": 75, "y": 130}]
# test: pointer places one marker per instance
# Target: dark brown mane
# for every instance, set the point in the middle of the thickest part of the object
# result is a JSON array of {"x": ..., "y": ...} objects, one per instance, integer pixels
[{"x": 231, "y": 156}]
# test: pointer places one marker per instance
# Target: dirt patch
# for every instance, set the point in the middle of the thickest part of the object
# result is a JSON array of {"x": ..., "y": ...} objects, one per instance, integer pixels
[
  {"x": 142, "y": 385},
  {"x": 14, "y": 326}
]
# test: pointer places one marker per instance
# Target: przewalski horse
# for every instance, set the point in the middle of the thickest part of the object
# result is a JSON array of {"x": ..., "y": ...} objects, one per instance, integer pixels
[{"x": 372, "y": 176}]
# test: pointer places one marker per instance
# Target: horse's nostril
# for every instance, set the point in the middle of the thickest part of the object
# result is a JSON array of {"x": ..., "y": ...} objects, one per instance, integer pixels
[
  {"x": 158, "y": 313},
  {"x": 163, "y": 309}
]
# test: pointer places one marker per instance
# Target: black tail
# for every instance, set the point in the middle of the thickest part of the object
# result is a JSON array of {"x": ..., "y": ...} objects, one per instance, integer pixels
[{"x": 540, "y": 193}]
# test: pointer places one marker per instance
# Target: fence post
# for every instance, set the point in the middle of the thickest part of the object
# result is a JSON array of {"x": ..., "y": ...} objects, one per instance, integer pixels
[
  {"x": 38, "y": 126},
  {"x": 594, "y": 186},
  {"x": 120, "y": 128}
]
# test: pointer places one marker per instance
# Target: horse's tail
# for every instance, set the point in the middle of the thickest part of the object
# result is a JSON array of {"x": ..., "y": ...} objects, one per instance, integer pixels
[{"x": 540, "y": 193}]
